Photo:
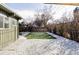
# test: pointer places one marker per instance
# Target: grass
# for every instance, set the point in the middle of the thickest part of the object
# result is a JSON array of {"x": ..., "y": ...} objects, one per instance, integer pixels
[{"x": 39, "y": 35}]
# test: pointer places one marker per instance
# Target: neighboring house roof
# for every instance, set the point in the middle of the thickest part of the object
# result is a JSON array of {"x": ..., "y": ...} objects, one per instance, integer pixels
[
  {"x": 71, "y": 4},
  {"x": 5, "y": 10}
]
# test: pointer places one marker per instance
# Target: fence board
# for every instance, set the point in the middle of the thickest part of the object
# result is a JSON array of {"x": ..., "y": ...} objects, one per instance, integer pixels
[{"x": 7, "y": 36}]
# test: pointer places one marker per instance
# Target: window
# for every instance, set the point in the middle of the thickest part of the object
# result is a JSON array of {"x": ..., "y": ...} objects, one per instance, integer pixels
[
  {"x": 1, "y": 21},
  {"x": 13, "y": 22},
  {"x": 6, "y": 22}
]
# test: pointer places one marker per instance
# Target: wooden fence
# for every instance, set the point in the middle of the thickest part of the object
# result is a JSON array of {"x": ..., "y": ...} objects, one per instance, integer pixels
[
  {"x": 39, "y": 29},
  {"x": 71, "y": 34},
  {"x": 32, "y": 29},
  {"x": 7, "y": 36},
  {"x": 74, "y": 35}
]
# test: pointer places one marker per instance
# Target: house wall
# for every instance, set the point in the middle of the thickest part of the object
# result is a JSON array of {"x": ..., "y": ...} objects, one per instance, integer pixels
[{"x": 8, "y": 32}]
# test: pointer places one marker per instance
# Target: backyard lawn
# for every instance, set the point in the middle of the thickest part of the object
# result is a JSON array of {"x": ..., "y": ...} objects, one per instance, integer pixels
[{"x": 39, "y": 35}]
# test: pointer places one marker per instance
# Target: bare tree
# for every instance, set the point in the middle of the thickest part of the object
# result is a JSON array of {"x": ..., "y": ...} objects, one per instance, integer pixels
[
  {"x": 42, "y": 19},
  {"x": 46, "y": 15},
  {"x": 38, "y": 21}
]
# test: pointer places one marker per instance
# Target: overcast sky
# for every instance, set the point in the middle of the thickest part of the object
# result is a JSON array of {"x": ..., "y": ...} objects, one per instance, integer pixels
[{"x": 29, "y": 9}]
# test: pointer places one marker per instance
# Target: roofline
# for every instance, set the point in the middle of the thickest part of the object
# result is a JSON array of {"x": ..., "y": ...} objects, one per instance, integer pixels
[
  {"x": 71, "y": 4},
  {"x": 9, "y": 11}
]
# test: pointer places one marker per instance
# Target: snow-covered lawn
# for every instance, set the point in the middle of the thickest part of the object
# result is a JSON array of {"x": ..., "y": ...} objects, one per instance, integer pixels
[{"x": 59, "y": 46}]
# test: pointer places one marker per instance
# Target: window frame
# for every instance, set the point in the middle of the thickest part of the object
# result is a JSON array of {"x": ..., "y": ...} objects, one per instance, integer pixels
[
  {"x": 2, "y": 22},
  {"x": 9, "y": 21},
  {"x": 5, "y": 22}
]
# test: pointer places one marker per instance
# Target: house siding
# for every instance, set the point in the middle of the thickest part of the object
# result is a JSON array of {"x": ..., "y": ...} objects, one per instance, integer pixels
[{"x": 8, "y": 26}]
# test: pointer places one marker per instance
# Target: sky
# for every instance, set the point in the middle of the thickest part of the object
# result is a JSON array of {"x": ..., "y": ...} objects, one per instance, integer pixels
[
  {"x": 23, "y": 6},
  {"x": 29, "y": 9},
  {"x": 24, "y": 9}
]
